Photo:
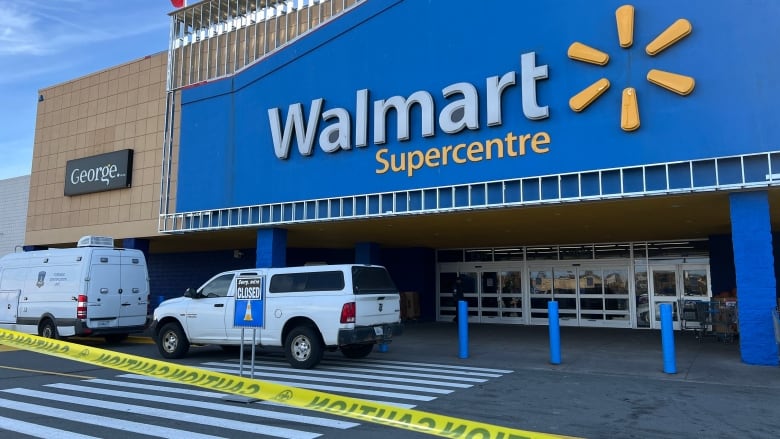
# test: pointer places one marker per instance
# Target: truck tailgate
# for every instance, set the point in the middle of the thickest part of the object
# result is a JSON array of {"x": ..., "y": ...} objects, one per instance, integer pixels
[{"x": 373, "y": 309}]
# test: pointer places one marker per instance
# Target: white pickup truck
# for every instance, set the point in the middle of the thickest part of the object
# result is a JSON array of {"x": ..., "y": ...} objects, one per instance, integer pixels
[{"x": 306, "y": 310}]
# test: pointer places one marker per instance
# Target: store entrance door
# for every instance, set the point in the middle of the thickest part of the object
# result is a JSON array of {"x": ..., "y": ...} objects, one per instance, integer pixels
[
  {"x": 674, "y": 284},
  {"x": 493, "y": 292},
  {"x": 588, "y": 294},
  {"x": 500, "y": 296},
  {"x": 664, "y": 289}
]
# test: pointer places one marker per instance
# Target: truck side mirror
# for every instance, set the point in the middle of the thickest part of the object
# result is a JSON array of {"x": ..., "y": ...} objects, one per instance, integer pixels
[{"x": 190, "y": 292}]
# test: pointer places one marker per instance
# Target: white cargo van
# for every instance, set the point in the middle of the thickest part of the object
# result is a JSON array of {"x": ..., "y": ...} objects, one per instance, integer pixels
[
  {"x": 305, "y": 310},
  {"x": 91, "y": 290}
]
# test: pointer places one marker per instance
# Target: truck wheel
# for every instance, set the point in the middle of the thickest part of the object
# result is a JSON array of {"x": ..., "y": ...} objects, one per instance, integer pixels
[
  {"x": 303, "y": 347},
  {"x": 48, "y": 329},
  {"x": 357, "y": 350},
  {"x": 172, "y": 342}
]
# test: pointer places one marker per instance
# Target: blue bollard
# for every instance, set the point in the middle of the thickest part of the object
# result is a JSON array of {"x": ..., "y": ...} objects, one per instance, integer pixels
[
  {"x": 463, "y": 329},
  {"x": 667, "y": 338},
  {"x": 383, "y": 347},
  {"x": 555, "y": 332}
]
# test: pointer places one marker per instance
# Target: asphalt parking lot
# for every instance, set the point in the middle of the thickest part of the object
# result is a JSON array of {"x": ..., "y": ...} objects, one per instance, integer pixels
[{"x": 610, "y": 382}]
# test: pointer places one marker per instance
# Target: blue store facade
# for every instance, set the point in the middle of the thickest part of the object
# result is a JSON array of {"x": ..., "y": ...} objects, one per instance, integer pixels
[{"x": 610, "y": 156}]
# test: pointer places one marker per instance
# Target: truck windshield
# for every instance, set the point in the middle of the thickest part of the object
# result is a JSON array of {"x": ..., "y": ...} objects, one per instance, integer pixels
[{"x": 372, "y": 280}]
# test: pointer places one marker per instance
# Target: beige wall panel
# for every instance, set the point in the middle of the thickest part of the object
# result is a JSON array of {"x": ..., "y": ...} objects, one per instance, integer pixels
[{"x": 119, "y": 108}]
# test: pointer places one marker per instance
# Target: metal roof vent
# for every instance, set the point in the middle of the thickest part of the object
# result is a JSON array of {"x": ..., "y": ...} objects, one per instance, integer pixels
[{"x": 96, "y": 241}]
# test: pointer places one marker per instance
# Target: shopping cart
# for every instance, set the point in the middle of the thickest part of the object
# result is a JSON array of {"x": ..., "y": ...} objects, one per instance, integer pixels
[
  {"x": 696, "y": 315},
  {"x": 724, "y": 319}
]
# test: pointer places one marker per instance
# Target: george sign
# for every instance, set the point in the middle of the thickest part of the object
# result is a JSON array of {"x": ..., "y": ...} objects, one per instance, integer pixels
[
  {"x": 104, "y": 172},
  {"x": 250, "y": 306}
]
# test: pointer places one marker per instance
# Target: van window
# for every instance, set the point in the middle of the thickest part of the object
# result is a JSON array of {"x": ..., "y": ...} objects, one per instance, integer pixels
[
  {"x": 218, "y": 287},
  {"x": 307, "y": 281},
  {"x": 13, "y": 279},
  {"x": 372, "y": 280}
]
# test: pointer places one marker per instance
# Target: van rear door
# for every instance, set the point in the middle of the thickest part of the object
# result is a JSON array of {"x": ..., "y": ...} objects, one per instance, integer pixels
[
  {"x": 376, "y": 296},
  {"x": 103, "y": 298},
  {"x": 9, "y": 303},
  {"x": 134, "y": 288}
]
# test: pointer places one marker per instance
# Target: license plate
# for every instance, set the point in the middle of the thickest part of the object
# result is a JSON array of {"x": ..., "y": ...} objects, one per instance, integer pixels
[
  {"x": 378, "y": 330},
  {"x": 102, "y": 323}
]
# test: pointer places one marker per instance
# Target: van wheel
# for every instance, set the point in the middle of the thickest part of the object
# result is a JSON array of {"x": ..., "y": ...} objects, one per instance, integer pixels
[
  {"x": 48, "y": 329},
  {"x": 303, "y": 347},
  {"x": 115, "y": 338},
  {"x": 171, "y": 341},
  {"x": 357, "y": 350}
]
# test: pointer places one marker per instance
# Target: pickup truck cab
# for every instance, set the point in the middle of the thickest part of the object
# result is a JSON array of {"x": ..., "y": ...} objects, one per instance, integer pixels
[{"x": 305, "y": 310}]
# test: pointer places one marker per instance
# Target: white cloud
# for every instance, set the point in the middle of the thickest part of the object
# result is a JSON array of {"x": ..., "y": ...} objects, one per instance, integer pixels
[
  {"x": 47, "y": 42},
  {"x": 16, "y": 31},
  {"x": 51, "y": 27}
]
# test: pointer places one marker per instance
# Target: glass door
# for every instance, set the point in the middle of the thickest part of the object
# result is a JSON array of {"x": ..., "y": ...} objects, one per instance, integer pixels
[
  {"x": 489, "y": 296},
  {"x": 467, "y": 282},
  {"x": 554, "y": 283},
  {"x": 540, "y": 292},
  {"x": 664, "y": 288},
  {"x": 510, "y": 297},
  {"x": 565, "y": 293},
  {"x": 603, "y": 296}
]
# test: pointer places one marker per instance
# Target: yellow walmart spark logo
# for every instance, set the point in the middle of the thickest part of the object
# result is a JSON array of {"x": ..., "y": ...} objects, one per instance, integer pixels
[{"x": 629, "y": 111}]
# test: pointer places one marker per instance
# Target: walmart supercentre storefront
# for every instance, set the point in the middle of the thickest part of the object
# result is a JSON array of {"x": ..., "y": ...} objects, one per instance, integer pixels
[{"x": 610, "y": 156}]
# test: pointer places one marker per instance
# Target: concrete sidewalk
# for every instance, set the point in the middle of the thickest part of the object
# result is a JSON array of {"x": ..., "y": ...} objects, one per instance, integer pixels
[{"x": 606, "y": 351}]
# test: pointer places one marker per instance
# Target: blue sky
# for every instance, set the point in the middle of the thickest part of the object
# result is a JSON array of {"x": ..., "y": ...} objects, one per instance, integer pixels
[{"x": 48, "y": 42}]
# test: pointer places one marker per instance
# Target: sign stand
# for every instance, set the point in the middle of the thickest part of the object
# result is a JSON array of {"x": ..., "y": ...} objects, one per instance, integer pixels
[{"x": 249, "y": 313}]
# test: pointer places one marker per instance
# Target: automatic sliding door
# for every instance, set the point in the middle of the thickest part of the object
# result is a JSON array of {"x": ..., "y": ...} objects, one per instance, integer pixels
[
  {"x": 468, "y": 285},
  {"x": 603, "y": 296},
  {"x": 617, "y": 308},
  {"x": 489, "y": 297},
  {"x": 511, "y": 296},
  {"x": 664, "y": 288},
  {"x": 540, "y": 293},
  {"x": 557, "y": 284},
  {"x": 591, "y": 297},
  {"x": 565, "y": 293}
]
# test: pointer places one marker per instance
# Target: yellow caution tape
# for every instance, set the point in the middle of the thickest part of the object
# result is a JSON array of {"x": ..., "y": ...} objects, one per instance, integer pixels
[{"x": 385, "y": 414}]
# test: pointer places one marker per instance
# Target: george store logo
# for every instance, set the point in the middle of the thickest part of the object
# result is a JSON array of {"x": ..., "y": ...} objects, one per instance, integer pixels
[
  {"x": 629, "y": 111},
  {"x": 99, "y": 173}
]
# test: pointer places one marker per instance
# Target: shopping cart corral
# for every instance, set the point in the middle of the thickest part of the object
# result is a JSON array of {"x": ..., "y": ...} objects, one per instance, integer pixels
[{"x": 716, "y": 318}]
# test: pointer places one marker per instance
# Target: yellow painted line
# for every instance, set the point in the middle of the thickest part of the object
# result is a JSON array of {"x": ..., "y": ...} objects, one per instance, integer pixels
[
  {"x": 46, "y": 372},
  {"x": 363, "y": 410}
]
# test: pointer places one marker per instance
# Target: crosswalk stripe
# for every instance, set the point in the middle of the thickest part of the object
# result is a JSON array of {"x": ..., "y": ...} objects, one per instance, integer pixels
[
  {"x": 426, "y": 366},
  {"x": 163, "y": 388},
  {"x": 245, "y": 411},
  {"x": 333, "y": 389},
  {"x": 40, "y": 431},
  {"x": 115, "y": 423},
  {"x": 401, "y": 366},
  {"x": 366, "y": 378},
  {"x": 365, "y": 375},
  {"x": 196, "y": 418},
  {"x": 262, "y": 374},
  {"x": 349, "y": 367}
]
